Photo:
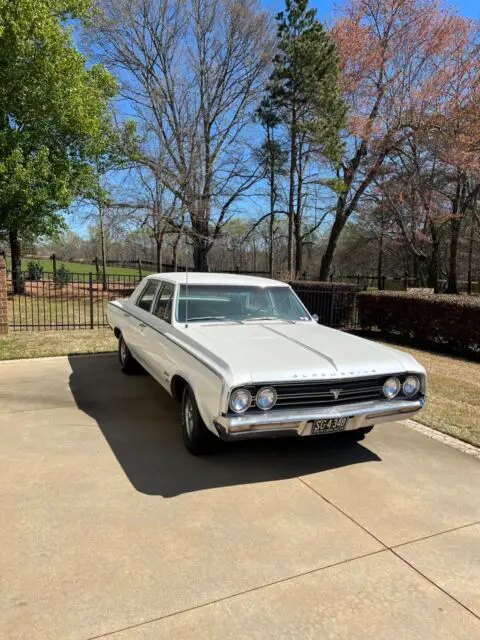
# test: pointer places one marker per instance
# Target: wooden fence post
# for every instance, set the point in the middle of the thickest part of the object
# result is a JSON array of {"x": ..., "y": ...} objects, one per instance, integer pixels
[{"x": 3, "y": 296}]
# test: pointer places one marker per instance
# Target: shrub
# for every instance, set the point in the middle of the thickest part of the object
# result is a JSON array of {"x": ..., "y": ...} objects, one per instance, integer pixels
[
  {"x": 34, "y": 271},
  {"x": 63, "y": 275},
  {"x": 334, "y": 303},
  {"x": 443, "y": 319}
]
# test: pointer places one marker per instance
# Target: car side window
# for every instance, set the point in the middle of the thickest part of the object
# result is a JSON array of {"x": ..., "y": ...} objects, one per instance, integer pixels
[
  {"x": 163, "y": 304},
  {"x": 146, "y": 297}
]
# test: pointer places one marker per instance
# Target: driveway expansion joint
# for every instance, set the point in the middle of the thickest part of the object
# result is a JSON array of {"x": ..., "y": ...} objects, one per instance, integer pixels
[
  {"x": 432, "y": 582},
  {"x": 385, "y": 547},
  {"x": 393, "y": 547},
  {"x": 433, "y": 535},
  {"x": 238, "y": 593}
]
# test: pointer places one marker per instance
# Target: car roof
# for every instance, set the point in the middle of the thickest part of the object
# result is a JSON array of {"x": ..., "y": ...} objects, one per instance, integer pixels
[{"x": 195, "y": 277}]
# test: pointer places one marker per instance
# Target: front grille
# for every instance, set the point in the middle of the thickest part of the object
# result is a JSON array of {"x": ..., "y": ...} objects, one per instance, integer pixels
[{"x": 324, "y": 393}]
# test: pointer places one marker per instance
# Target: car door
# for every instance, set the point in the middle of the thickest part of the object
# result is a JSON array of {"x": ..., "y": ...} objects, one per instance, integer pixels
[
  {"x": 158, "y": 347},
  {"x": 138, "y": 323}
]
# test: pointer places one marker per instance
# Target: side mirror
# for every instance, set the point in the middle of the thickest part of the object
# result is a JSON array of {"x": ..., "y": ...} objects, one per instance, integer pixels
[{"x": 315, "y": 317}]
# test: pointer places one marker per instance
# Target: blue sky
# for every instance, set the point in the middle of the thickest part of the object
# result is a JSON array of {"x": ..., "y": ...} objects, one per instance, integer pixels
[
  {"x": 469, "y": 8},
  {"x": 325, "y": 8}
]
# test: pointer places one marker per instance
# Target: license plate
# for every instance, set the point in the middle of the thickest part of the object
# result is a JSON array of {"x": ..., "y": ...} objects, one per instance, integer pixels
[{"x": 328, "y": 425}]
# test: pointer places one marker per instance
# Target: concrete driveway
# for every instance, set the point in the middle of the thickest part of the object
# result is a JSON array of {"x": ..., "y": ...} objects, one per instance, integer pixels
[{"x": 109, "y": 528}]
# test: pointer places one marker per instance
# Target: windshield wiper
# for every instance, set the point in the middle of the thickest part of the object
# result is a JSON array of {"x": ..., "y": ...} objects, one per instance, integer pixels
[
  {"x": 218, "y": 318},
  {"x": 269, "y": 318}
]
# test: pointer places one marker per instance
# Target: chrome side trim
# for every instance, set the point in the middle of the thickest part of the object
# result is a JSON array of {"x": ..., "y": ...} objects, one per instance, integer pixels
[{"x": 175, "y": 341}]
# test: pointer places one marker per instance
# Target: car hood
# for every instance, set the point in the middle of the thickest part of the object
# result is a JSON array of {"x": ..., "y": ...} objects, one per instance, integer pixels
[{"x": 277, "y": 352}]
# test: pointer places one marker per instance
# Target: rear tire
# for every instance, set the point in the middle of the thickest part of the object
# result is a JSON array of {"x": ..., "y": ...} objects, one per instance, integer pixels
[
  {"x": 198, "y": 440},
  {"x": 128, "y": 364}
]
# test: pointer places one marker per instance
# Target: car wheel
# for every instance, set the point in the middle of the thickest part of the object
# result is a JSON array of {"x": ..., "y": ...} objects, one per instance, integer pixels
[
  {"x": 128, "y": 364},
  {"x": 357, "y": 434},
  {"x": 196, "y": 437}
]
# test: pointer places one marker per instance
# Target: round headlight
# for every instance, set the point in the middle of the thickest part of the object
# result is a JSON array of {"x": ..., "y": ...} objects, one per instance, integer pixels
[
  {"x": 240, "y": 400},
  {"x": 411, "y": 386},
  {"x": 391, "y": 388},
  {"x": 266, "y": 398}
]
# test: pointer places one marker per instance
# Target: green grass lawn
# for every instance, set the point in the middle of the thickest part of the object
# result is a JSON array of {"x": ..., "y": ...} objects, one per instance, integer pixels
[
  {"x": 75, "y": 267},
  {"x": 38, "y": 344},
  {"x": 453, "y": 403}
]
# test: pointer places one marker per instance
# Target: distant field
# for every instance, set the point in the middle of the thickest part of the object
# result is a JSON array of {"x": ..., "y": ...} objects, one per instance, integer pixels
[{"x": 75, "y": 267}]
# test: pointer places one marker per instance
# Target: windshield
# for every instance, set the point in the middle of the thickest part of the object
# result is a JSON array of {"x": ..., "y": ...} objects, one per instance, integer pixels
[{"x": 230, "y": 303}]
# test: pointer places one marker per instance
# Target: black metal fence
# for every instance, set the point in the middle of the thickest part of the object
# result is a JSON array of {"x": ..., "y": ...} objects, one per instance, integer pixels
[
  {"x": 64, "y": 300},
  {"x": 335, "y": 306},
  {"x": 401, "y": 283},
  {"x": 67, "y": 300}
]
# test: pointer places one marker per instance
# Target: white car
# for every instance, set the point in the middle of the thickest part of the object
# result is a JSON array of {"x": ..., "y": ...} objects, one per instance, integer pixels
[{"x": 246, "y": 359}]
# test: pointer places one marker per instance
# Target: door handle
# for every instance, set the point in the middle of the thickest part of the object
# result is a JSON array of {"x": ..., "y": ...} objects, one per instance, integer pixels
[{"x": 141, "y": 325}]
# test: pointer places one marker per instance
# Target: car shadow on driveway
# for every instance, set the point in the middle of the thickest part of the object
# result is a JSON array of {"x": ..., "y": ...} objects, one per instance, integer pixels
[{"x": 140, "y": 422}]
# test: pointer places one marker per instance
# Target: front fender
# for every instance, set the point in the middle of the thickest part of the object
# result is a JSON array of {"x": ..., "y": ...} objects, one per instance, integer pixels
[{"x": 208, "y": 390}]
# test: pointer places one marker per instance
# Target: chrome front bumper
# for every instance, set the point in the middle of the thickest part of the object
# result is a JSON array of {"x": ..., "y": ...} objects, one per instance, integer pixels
[{"x": 298, "y": 422}]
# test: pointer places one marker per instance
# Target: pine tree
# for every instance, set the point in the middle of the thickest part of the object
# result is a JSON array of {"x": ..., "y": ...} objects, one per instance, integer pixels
[{"x": 304, "y": 89}]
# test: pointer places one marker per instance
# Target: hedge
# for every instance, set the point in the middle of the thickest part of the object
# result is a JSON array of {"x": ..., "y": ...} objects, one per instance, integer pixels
[
  {"x": 428, "y": 318},
  {"x": 334, "y": 303}
]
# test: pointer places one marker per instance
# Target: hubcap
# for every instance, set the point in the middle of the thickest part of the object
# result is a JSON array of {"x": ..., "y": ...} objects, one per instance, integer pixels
[
  {"x": 188, "y": 416},
  {"x": 123, "y": 351}
]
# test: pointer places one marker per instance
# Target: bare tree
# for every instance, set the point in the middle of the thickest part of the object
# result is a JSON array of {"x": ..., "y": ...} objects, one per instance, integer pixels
[
  {"x": 161, "y": 211},
  {"x": 192, "y": 71}
]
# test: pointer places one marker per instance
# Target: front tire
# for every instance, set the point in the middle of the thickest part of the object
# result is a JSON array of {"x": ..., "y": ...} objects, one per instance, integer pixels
[
  {"x": 197, "y": 438},
  {"x": 128, "y": 364}
]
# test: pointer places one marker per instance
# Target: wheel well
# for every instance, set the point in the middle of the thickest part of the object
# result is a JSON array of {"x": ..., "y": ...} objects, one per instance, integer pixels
[
  {"x": 117, "y": 333},
  {"x": 177, "y": 386}
]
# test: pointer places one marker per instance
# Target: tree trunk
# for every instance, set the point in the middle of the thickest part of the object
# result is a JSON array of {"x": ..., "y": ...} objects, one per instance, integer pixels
[
  {"x": 470, "y": 255},
  {"x": 158, "y": 253},
  {"x": 175, "y": 252},
  {"x": 455, "y": 225},
  {"x": 380, "y": 262},
  {"x": 434, "y": 261},
  {"x": 200, "y": 218},
  {"x": 271, "y": 230},
  {"x": 200, "y": 253},
  {"x": 16, "y": 254},
  {"x": 416, "y": 270},
  {"x": 271, "y": 240},
  {"x": 327, "y": 259},
  {"x": 298, "y": 247},
  {"x": 103, "y": 247},
  {"x": 201, "y": 245},
  {"x": 298, "y": 221},
  {"x": 291, "y": 193}
]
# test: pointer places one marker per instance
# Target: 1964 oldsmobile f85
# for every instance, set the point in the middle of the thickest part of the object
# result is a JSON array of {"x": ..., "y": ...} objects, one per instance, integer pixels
[{"x": 246, "y": 359}]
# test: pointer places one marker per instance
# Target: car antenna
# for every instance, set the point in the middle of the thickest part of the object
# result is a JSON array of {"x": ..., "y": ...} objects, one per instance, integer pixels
[{"x": 186, "y": 294}]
